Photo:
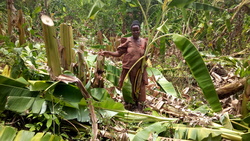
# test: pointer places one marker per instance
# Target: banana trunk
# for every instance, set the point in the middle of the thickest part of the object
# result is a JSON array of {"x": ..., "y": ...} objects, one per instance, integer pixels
[
  {"x": 49, "y": 33},
  {"x": 66, "y": 40}
]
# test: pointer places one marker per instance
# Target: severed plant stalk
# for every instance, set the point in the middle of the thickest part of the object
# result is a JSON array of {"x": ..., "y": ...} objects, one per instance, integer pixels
[
  {"x": 98, "y": 80},
  {"x": 20, "y": 23},
  {"x": 51, "y": 46},
  {"x": 10, "y": 9},
  {"x": 66, "y": 40},
  {"x": 82, "y": 72},
  {"x": 246, "y": 98}
]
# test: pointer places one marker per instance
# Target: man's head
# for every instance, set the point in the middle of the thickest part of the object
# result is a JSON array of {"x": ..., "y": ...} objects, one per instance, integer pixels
[{"x": 135, "y": 29}]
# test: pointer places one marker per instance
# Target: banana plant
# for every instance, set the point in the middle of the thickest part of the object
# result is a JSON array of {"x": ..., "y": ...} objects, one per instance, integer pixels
[
  {"x": 198, "y": 69},
  {"x": 189, "y": 52},
  {"x": 63, "y": 100}
]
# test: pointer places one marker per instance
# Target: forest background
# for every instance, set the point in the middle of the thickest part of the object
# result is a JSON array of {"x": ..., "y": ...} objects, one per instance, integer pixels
[{"x": 55, "y": 86}]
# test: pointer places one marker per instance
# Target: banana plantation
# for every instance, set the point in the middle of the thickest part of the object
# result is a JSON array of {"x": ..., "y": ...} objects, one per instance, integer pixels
[{"x": 55, "y": 85}]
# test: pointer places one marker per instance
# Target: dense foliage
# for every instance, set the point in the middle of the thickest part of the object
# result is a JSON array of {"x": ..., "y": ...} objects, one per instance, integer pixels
[{"x": 190, "y": 42}]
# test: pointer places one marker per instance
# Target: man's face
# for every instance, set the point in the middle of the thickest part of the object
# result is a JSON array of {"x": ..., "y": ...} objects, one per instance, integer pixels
[{"x": 135, "y": 31}]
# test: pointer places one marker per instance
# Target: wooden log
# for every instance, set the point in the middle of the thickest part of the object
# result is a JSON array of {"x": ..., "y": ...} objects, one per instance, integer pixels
[{"x": 230, "y": 89}]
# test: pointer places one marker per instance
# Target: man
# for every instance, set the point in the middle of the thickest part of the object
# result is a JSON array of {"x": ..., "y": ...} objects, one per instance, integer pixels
[{"x": 133, "y": 48}]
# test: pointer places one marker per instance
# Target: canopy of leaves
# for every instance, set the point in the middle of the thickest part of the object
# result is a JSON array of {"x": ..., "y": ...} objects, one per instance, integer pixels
[{"x": 197, "y": 58}]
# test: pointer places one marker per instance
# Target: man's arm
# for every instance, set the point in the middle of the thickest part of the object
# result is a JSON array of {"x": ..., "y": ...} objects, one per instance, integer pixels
[
  {"x": 122, "y": 48},
  {"x": 108, "y": 53}
]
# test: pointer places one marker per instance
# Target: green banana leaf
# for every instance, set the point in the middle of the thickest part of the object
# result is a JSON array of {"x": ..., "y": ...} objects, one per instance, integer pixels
[
  {"x": 99, "y": 93},
  {"x": 162, "y": 81},
  {"x": 39, "y": 85},
  {"x": 39, "y": 106},
  {"x": 50, "y": 137},
  {"x": 109, "y": 104},
  {"x": 19, "y": 103},
  {"x": 98, "y": 5},
  {"x": 151, "y": 130},
  {"x": 81, "y": 114},
  {"x": 106, "y": 107},
  {"x": 8, "y": 90},
  {"x": 127, "y": 91},
  {"x": 113, "y": 74},
  {"x": 194, "y": 5},
  {"x": 7, "y": 133},
  {"x": 37, "y": 137},
  {"x": 214, "y": 133},
  {"x": 68, "y": 92},
  {"x": 196, "y": 134},
  {"x": 183, "y": 132},
  {"x": 198, "y": 69},
  {"x": 180, "y": 3},
  {"x": 9, "y": 81},
  {"x": 24, "y": 135},
  {"x": 204, "y": 7}
]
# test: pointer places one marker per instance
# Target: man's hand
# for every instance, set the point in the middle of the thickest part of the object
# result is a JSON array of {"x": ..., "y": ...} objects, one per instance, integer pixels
[{"x": 104, "y": 53}]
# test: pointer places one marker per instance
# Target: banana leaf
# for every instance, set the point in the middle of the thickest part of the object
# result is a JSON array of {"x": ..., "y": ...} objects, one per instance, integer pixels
[
  {"x": 112, "y": 74},
  {"x": 39, "y": 106},
  {"x": 98, "y": 5},
  {"x": 99, "y": 93},
  {"x": 215, "y": 132},
  {"x": 24, "y": 135},
  {"x": 50, "y": 137},
  {"x": 183, "y": 132},
  {"x": 127, "y": 91},
  {"x": 151, "y": 130},
  {"x": 18, "y": 103},
  {"x": 109, "y": 104},
  {"x": 198, "y": 69},
  {"x": 205, "y": 7},
  {"x": 8, "y": 90},
  {"x": 180, "y": 3},
  {"x": 196, "y": 133},
  {"x": 7, "y": 133},
  {"x": 9, "y": 81},
  {"x": 37, "y": 137},
  {"x": 81, "y": 114},
  {"x": 162, "y": 81},
  {"x": 39, "y": 85},
  {"x": 68, "y": 92}
]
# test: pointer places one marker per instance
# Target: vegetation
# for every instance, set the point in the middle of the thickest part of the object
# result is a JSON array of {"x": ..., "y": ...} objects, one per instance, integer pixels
[{"x": 54, "y": 86}]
